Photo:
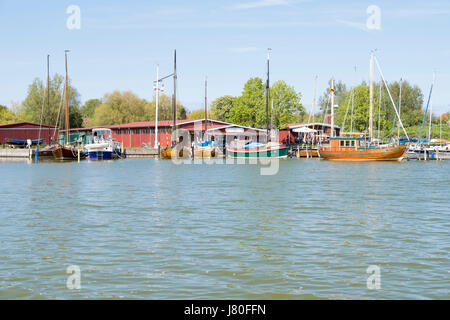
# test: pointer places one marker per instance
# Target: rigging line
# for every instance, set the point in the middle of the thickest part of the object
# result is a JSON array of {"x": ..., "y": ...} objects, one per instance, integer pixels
[
  {"x": 379, "y": 113},
  {"x": 390, "y": 96},
  {"x": 59, "y": 112},
  {"x": 346, "y": 111},
  {"x": 351, "y": 118},
  {"x": 426, "y": 110},
  {"x": 42, "y": 111}
]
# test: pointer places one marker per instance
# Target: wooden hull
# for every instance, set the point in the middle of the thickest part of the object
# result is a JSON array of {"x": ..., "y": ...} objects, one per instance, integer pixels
[
  {"x": 205, "y": 152},
  {"x": 67, "y": 153},
  {"x": 376, "y": 154},
  {"x": 47, "y": 152},
  {"x": 264, "y": 152},
  {"x": 309, "y": 153},
  {"x": 173, "y": 153}
]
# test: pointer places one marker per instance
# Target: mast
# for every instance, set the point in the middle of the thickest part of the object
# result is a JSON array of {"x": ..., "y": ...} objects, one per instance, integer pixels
[
  {"x": 371, "y": 98},
  {"x": 332, "y": 108},
  {"x": 271, "y": 117},
  {"x": 399, "y": 108},
  {"x": 431, "y": 114},
  {"x": 67, "y": 101},
  {"x": 48, "y": 84},
  {"x": 206, "y": 104},
  {"x": 174, "y": 102},
  {"x": 157, "y": 104},
  {"x": 267, "y": 93},
  {"x": 313, "y": 110},
  {"x": 379, "y": 113}
]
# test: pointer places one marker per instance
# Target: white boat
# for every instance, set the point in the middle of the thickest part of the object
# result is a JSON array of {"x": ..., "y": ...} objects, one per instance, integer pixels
[{"x": 103, "y": 146}]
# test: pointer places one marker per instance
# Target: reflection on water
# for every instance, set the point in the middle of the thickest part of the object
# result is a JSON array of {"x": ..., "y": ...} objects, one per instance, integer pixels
[{"x": 146, "y": 228}]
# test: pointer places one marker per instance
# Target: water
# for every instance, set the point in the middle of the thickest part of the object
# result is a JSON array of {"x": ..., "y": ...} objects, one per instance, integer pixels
[{"x": 149, "y": 229}]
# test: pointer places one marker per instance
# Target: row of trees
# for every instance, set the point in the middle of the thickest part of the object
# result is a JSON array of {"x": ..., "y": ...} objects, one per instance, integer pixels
[
  {"x": 248, "y": 109},
  {"x": 114, "y": 108},
  {"x": 352, "y": 112}
]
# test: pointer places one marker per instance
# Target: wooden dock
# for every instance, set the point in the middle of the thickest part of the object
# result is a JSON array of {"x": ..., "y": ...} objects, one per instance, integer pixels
[
  {"x": 17, "y": 153},
  {"x": 141, "y": 152}
]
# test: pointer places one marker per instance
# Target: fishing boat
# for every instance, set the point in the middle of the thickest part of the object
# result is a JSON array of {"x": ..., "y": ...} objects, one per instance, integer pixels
[
  {"x": 177, "y": 149},
  {"x": 103, "y": 146},
  {"x": 67, "y": 152},
  {"x": 361, "y": 148},
  {"x": 257, "y": 149},
  {"x": 23, "y": 143},
  {"x": 208, "y": 148}
]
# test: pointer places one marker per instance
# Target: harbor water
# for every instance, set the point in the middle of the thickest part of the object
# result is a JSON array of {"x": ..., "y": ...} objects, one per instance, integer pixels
[{"x": 152, "y": 229}]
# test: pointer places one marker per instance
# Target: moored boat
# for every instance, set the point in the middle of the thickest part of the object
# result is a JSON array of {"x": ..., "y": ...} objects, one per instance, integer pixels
[
  {"x": 103, "y": 146},
  {"x": 258, "y": 150},
  {"x": 67, "y": 152},
  {"x": 359, "y": 149}
]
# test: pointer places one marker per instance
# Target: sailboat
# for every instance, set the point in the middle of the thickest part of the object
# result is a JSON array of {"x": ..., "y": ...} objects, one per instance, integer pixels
[
  {"x": 359, "y": 147},
  {"x": 67, "y": 152},
  {"x": 257, "y": 149},
  {"x": 208, "y": 147},
  {"x": 174, "y": 150},
  {"x": 47, "y": 151}
]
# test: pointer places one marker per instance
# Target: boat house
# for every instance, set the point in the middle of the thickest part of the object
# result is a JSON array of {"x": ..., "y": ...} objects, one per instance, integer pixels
[
  {"x": 142, "y": 134},
  {"x": 28, "y": 131}
]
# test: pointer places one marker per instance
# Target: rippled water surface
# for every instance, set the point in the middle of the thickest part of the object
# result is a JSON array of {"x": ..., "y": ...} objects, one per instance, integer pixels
[{"x": 149, "y": 229}]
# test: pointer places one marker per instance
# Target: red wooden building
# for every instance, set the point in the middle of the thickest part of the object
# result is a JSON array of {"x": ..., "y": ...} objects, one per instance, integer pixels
[
  {"x": 141, "y": 134},
  {"x": 28, "y": 130}
]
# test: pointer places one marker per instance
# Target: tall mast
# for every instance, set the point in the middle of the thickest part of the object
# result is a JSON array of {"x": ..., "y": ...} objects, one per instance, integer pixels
[
  {"x": 431, "y": 112},
  {"x": 174, "y": 102},
  {"x": 267, "y": 92},
  {"x": 206, "y": 104},
  {"x": 371, "y": 98},
  {"x": 313, "y": 109},
  {"x": 271, "y": 117},
  {"x": 157, "y": 104},
  {"x": 332, "y": 108},
  {"x": 48, "y": 84},
  {"x": 399, "y": 108},
  {"x": 67, "y": 100}
]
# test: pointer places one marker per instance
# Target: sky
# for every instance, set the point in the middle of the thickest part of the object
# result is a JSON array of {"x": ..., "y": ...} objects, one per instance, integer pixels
[{"x": 119, "y": 43}]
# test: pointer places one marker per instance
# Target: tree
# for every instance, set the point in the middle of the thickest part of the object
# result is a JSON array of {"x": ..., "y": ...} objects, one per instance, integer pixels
[
  {"x": 88, "y": 109},
  {"x": 124, "y": 107},
  {"x": 411, "y": 103},
  {"x": 165, "y": 111},
  {"x": 286, "y": 104},
  {"x": 249, "y": 107},
  {"x": 118, "y": 108},
  {"x": 36, "y": 101},
  {"x": 361, "y": 104},
  {"x": 340, "y": 95},
  {"x": 6, "y": 115},
  {"x": 198, "y": 114},
  {"x": 221, "y": 107}
]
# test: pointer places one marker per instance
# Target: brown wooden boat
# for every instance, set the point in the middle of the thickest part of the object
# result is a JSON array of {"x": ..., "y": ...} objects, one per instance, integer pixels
[
  {"x": 47, "y": 151},
  {"x": 67, "y": 153},
  {"x": 358, "y": 149}
]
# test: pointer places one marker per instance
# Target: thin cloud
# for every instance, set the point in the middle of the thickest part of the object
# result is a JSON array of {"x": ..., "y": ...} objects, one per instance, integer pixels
[
  {"x": 356, "y": 25},
  {"x": 261, "y": 3},
  {"x": 243, "y": 50}
]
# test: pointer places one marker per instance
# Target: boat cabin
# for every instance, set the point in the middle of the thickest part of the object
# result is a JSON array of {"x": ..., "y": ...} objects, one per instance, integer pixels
[
  {"x": 348, "y": 143},
  {"x": 101, "y": 135}
]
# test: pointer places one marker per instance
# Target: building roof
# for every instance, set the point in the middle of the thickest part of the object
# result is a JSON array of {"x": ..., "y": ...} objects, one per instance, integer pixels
[
  {"x": 24, "y": 124},
  {"x": 298, "y": 125},
  {"x": 146, "y": 124}
]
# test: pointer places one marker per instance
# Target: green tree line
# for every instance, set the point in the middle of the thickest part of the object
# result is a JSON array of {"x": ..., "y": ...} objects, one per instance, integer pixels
[{"x": 248, "y": 109}]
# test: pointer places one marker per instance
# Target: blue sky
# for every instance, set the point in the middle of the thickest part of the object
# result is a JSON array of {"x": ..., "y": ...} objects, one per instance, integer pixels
[{"x": 119, "y": 43}]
